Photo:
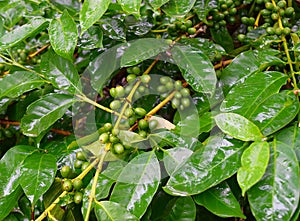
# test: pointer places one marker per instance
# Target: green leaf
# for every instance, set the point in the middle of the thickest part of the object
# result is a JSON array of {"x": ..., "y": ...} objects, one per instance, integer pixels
[
  {"x": 174, "y": 157},
  {"x": 244, "y": 98},
  {"x": 222, "y": 37},
  {"x": 131, "y": 6},
  {"x": 92, "y": 38},
  {"x": 61, "y": 72},
  {"x": 41, "y": 114},
  {"x": 220, "y": 201},
  {"x": 17, "y": 35},
  {"x": 196, "y": 68},
  {"x": 38, "y": 172},
  {"x": 14, "y": 85},
  {"x": 142, "y": 49},
  {"x": 203, "y": 7},
  {"x": 91, "y": 12},
  {"x": 246, "y": 64},
  {"x": 114, "y": 28},
  {"x": 103, "y": 66},
  {"x": 135, "y": 190},
  {"x": 206, "y": 122},
  {"x": 291, "y": 136},
  {"x": 107, "y": 210},
  {"x": 218, "y": 160},
  {"x": 238, "y": 127},
  {"x": 10, "y": 167},
  {"x": 178, "y": 8},
  {"x": 180, "y": 208},
  {"x": 276, "y": 112},
  {"x": 8, "y": 203},
  {"x": 63, "y": 35},
  {"x": 279, "y": 189},
  {"x": 254, "y": 164},
  {"x": 155, "y": 4}
]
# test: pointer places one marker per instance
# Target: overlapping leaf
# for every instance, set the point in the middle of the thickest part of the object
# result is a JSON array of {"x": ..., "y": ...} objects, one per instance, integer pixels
[
  {"x": 38, "y": 172},
  {"x": 157, "y": 3},
  {"x": 244, "y": 98},
  {"x": 91, "y": 12},
  {"x": 44, "y": 112},
  {"x": 207, "y": 167},
  {"x": 142, "y": 49},
  {"x": 131, "y": 6},
  {"x": 61, "y": 72},
  {"x": 63, "y": 35},
  {"x": 14, "y": 85},
  {"x": 135, "y": 190},
  {"x": 181, "y": 208},
  {"x": 238, "y": 127},
  {"x": 30, "y": 29},
  {"x": 8, "y": 203},
  {"x": 196, "y": 68},
  {"x": 220, "y": 201},
  {"x": 222, "y": 37},
  {"x": 178, "y": 7},
  {"x": 279, "y": 189},
  {"x": 254, "y": 164}
]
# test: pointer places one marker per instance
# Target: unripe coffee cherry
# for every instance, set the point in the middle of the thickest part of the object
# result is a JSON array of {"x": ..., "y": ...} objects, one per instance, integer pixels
[
  {"x": 104, "y": 138},
  {"x": 77, "y": 184},
  {"x": 78, "y": 197},
  {"x": 80, "y": 155},
  {"x": 67, "y": 185},
  {"x": 143, "y": 124},
  {"x": 118, "y": 148},
  {"x": 65, "y": 171}
]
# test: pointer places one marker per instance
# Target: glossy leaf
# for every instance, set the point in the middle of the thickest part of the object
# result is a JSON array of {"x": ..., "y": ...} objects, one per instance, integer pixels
[
  {"x": 244, "y": 98},
  {"x": 178, "y": 7},
  {"x": 222, "y": 37},
  {"x": 246, "y": 64},
  {"x": 218, "y": 160},
  {"x": 279, "y": 189},
  {"x": 14, "y": 85},
  {"x": 91, "y": 12},
  {"x": 196, "y": 68},
  {"x": 238, "y": 127},
  {"x": 61, "y": 72},
  {"x": 114, "y": 28},
  {"x": 291, "y": 136},
  {"x": 135, "y": 190},
  {"x": 92, "y": 38},
  {"x": 131, "y": 6},
  {"x": 203, "y": 7},
  {"x": 142, "y": 49},
  {"x": 44, "y": 112},
  {"x": 157, "y": 3},
  {"x": 276, "y": 112},
  {"x": 174, "y": 157},
  {"x": 63, "y": 35},
  {"x": 206, "y": 122},
  {"x": 180, "y": 208},
  {"x": 220, "y": 201},
  {"x": 8, "y": 202},
  {"x": 254, "y": 164},
  {"x": 30, "y": 29},
  {"x": 107, "y": 210},
  {"x": 10, "y": 168},
  {"x": 38, "y": 172}
]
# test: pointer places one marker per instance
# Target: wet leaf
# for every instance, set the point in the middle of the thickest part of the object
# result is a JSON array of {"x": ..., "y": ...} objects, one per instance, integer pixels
[
  {"x": 174, "y": 157},
  {"x": 180, "y": 208},
  {"x": 114, "y": 28},
  {"x": 10, "y": 167},
  {"x": 107, "y": 210},
  {"x": 92, "y": 38},
  {"x": 203, "y": 7},
  {"x": 38, "y": 172},
  {"x": 254, "y": 164},
  {"x": 63, "y": 35},
  {"x": 135, "y": 190},
  {"x": 196, "y": 68},
  {"x": 246, "y": 64},
  {"x": 41, "y": 114},
  {"x": 14, "y": 85},
  {"x": 245, "y": 98},
  {"x": 206, "y": 122},
  {"x": 279, "y": 189},
  {"x": 157, "y": 3},
  {"x": 131, "y": 6},
  {"x": 178, "y": 8},
  {"x": 220, "y": 201},
  {"x": 30, "y": 29},
  {"x": 61, "y": 72},
  {"x": 238, "y": 127},
  {"x": 8, "y": 203},
  {"x": 222, "y": 37},
  {"x": 91, "y": 12},
  {"x": 142, "y": 49},
  {"x": 276, "y": 112},
  {"x": 218, "y": 160}
]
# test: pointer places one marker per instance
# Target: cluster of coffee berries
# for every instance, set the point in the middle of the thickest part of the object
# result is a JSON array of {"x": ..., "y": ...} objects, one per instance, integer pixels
[
  {"x": 225, "y": 13},
  {"x": 181, "y": 27}
]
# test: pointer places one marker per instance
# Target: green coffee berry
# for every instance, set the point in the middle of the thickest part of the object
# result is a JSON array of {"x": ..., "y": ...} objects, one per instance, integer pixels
[
  {"x": 191, "y": 31},
  {"x": 136, "y": 70},
  {"x": 67, "y": 185},
  {"x": 65, "y": 171},
  {"x": 114, "y": 105},
  {"x": 113, "y": 139},
  {"x": 178, "y": 85},
  {"x": 78, "y": 164},
  {"x": 77, "y": 184},
  {"x": 141, "y": 112},
  {"x": 103, "y": 138},
  {"x": 78, "y": 196},
  {"x": 118, "y": 148},
  {"x": 185, "y": 92},
  {"x": 113, "y": 92},
  {"x": 130, "y": 78},
  {"x": 185, "y": 102},
  {"x": 107, "y": 127},
  {"x": 153, "y": 124},
  {"x": 85, "y": 165},
  {"x": 143, "y": 133},
  {"x": 143, "y": 124},
  {"x": 115, "y": 131},
  {"x": 145, "y": 78},
  {"x": 120, "y": 92}
]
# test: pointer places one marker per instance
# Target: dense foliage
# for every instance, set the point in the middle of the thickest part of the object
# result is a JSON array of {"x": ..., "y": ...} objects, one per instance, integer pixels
[{"x": 149, "y": 110}]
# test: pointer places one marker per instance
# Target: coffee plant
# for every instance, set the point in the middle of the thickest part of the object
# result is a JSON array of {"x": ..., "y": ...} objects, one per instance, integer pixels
[{"x": 149, "y": 110}]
